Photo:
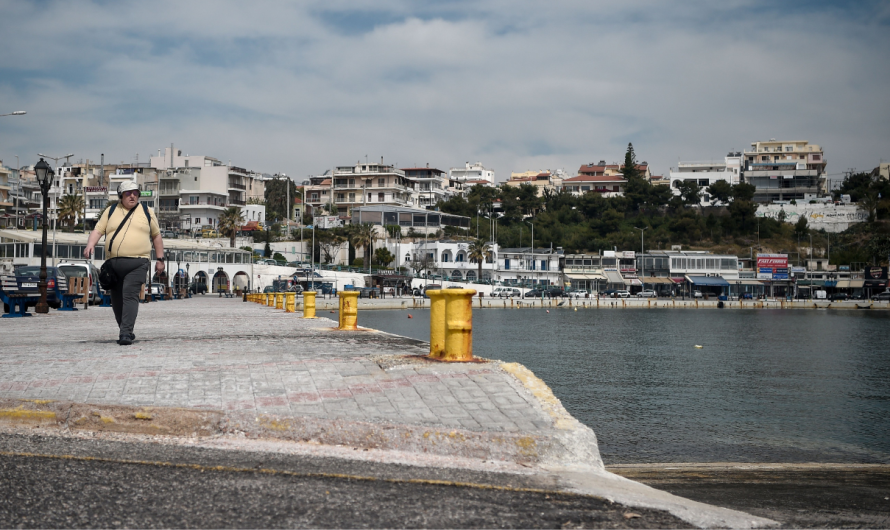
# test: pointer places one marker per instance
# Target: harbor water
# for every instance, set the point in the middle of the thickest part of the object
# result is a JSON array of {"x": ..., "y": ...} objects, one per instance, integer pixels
[{"x": 764, "y": 386}]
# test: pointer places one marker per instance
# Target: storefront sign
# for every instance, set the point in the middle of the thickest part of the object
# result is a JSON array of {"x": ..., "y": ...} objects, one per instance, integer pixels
[
  {"x": 146, "y": 193},
  {"x": 772, "y": 266},
  {"x": 95, "y": 189},
  {"x": 876, "y": 273}
]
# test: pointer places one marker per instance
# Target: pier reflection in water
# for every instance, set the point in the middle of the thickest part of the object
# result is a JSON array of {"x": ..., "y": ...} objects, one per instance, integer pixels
[{"x": 766, "y": 386}]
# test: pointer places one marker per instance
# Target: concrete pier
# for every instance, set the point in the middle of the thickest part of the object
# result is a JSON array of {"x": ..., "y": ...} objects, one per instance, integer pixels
[{"x": 214, "y": 370}]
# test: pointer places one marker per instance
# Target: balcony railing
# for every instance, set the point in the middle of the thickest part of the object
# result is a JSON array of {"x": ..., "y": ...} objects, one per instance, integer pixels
[
  {"x": 237, "y": 202},
  {"x": 237, "y": 186}
]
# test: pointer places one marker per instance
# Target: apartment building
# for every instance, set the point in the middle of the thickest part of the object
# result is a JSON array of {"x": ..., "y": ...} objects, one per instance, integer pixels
[
  {"x": 472, "y": 175},
  {"x": 431, "y": 185},
  {"x": 541, "y": 180},
  {"x": 605, "y": 179},
  {"x": 361, "y": 184},
  {"x": 194, "y": 189},
  {"x": 784, "y": 170},
  {"x": 705, "y": 173}
]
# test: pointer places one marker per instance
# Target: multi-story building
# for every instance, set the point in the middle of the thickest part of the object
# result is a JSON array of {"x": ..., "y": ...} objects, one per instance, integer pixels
[
  {"x": 431, "y": 185},
  {"x": 784, "y": 170},
  {"x": 411, "y": 220},
  {"x": 445, "y": 258},
  {"x": 605, "y": 179},
  {"x": 359, "y": 185},
  {"x": 529, "y": 266},
  {"x": 542, "y": 180},
  {"x": 705, "y": 173},
  {"x": 6, "y": 200},
  {"x": 472, "y": 174},
  {"x": 194, "y": 189}
]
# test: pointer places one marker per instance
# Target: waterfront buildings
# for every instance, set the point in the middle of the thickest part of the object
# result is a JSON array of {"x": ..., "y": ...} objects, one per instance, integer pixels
[
  {"x": 785, "y": 170},
  {"x": 529, "y": 266},
  {"x": 541, "y": 180}
]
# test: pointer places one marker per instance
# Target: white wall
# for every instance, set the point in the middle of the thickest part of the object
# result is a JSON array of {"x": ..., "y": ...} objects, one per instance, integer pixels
[{"x": 830, "y": 217}]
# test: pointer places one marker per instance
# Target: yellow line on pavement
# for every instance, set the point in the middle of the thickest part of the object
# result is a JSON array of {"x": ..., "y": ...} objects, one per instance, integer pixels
[{"x": 266, "y": 471}]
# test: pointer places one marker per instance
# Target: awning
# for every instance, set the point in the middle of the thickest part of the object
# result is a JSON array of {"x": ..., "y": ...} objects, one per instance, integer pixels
[
  {"x": 614, "y": 277},
  {"x": 708, "y": 281},
  {"x": 678, "y": 280},
  {"x": 585, "y": 276},
  {"x": 850, "y": 284},
  {"x": 632, "y": 281},
  {"x": 656, "y": 280},
  {"x": 814, "y": 283}
]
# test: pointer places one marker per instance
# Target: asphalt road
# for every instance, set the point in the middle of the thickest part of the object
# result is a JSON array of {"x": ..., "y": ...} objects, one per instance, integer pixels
[
  {"x": 74, "y": 483},
  {"x": 798, "y": 496}
]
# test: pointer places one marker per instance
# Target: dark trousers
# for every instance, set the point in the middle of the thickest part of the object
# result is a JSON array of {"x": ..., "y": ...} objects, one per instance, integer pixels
[{"x": 131, "y": 274}]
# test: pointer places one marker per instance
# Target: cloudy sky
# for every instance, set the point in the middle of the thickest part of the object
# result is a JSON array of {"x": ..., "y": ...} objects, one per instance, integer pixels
[{"x": 300, "y": 87}]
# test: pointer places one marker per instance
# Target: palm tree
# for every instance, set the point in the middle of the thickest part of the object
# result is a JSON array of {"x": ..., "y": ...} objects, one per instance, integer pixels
[
  {"x": 479, "y": 250},
  {"x": 70, "y": 208},
  {"x": 364, "y": 236},
  {"x": 230, "y": 222}
]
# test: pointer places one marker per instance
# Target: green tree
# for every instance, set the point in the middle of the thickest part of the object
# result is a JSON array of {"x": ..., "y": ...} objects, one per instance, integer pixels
[
  {"x": 276, "y": 197},
  {"x": 720, "y": 191},
  {"x": 364, "y": 236},
  {"x": 70, "y": 208},
  {"x": 690, "y": 191},
  {"x": 800, "y": 227},
  {"x": 230, "y": 222},
  {"x": 743, "y": 192},
  {"x": 383, "y": 257},
  {"x": 478, "y": 252}
]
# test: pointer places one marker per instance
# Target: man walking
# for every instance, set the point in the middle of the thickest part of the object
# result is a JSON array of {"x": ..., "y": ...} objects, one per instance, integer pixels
[{"x": 134, "y": 230}]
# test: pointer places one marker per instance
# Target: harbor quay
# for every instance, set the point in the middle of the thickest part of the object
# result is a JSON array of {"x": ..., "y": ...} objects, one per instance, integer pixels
[{"x": 222, "y": 373}]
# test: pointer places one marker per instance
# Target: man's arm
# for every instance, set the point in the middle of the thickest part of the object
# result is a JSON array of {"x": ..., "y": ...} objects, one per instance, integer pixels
[
  {"x": 158, "y": 242},
  {"x": 95, "y": 235}
]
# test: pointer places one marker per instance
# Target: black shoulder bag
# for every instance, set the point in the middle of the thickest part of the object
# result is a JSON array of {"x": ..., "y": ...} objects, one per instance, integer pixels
[{"x": 107, "y": 277}]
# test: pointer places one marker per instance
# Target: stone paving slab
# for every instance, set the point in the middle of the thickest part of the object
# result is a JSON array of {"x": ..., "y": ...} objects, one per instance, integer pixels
[{"x": 261, "y": 366}]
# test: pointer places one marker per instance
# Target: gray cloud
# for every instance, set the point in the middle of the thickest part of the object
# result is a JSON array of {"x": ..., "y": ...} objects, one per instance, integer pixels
[{"x": 515, "y": 85}]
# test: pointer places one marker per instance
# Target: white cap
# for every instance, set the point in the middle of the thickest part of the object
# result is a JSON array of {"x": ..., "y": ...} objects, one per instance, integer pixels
[{"x": 127, "y": 186}]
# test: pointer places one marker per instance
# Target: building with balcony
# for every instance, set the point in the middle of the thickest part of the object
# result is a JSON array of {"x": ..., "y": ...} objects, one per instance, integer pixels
[
  {"x": 431, "y": 185},
  {"x": 445, "y": 258},
  {"x": 605, "y": 185},
  {"x": 411, "y": 220},
  {"x": 784, "y": 170},
  {"x": 472, "y": 174},
  {"x": 541, "y": 180},
  {"x": 529, "y": 266},
  {"x": 365, "y": 184},
  {"x": 705, "y": 173}
]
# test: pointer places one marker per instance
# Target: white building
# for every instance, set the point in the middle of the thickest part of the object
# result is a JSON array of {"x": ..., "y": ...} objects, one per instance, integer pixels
[
  {"x": 448, "y": 259},
  {"x": 529, "y": 266},
  {"x": 472, "y": 174},
  {"x": 705, "y": 173}
]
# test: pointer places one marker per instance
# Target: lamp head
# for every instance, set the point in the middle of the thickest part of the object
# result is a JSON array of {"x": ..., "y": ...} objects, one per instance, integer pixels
[{"x": 44, "y": 172}]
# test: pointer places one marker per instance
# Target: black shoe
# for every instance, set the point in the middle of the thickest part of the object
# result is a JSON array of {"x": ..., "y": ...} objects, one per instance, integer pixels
[{"x": 125, "y": 341}]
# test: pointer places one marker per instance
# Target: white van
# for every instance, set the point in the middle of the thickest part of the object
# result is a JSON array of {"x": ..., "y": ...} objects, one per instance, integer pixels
[
  {"x": 83, "y": 269},
  {"x": 505, "y": 292}
]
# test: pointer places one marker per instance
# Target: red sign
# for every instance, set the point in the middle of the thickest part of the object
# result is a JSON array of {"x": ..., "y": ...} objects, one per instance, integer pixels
[{"x": 772, "y": 261}]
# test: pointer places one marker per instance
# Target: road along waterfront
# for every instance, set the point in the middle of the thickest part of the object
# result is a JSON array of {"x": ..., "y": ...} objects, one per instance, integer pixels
[{"x": 767, "y": 385}]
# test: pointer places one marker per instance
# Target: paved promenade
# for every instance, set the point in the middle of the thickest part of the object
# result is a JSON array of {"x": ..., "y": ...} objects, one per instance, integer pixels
[{"x": 217, "y": 370}]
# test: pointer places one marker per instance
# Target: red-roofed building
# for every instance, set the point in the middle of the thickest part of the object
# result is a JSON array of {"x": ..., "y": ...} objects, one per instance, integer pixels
[{"x": 607, "y": 185}]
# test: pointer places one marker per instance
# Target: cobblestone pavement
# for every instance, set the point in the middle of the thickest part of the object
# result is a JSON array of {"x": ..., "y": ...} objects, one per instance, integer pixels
[{"x": 224, "y": 354}]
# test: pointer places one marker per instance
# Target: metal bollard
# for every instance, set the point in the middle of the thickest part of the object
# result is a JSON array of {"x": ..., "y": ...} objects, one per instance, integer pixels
[
  {"x": 309, "y": 304},
  {"x": 458, "y": 325},
  {"x": 348, "y": 310},
  {"x": 290, "y": 302},
  {"x": 437, "y": 323},
  {"x": 279, "y": 300}
]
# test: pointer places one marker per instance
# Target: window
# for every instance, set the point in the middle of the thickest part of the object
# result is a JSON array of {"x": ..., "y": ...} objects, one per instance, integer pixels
[
  {"x": 197, "y": 220},
  {"x": 506, "y": 264},
  {"x": 544, "y": 265},
  {"x": 352, "y": 197},
  {"x": 381, "y": 182},
  {"x": 787, "y": 148},
  {"x": 381, "y": 197}
]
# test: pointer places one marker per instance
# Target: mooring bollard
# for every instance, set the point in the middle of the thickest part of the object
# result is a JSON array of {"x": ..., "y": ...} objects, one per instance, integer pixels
[
  {"x": 437, "y": 323},
  {"x": 458, "y": 325},
  {"x": 309, "y": 304},
  {"x": 279, "y": 300},
  {"x": 348, "y": 310},
  {"x": 290, "y": 302},
  {"x": 270, "y": 299}
]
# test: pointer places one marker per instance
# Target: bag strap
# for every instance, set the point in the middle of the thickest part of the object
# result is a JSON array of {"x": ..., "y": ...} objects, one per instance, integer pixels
[{"x": 111, "y": 243}]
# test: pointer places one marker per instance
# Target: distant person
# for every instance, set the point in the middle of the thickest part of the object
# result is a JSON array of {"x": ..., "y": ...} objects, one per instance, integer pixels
[{"x": 129, "y": 253}]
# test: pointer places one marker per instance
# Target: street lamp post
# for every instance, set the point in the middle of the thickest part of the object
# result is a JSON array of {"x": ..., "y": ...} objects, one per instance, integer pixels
[
  {"x": 57, "y": 194},
  {"x": 642, "y": 258},
  {"x": 45, "y": 176}
]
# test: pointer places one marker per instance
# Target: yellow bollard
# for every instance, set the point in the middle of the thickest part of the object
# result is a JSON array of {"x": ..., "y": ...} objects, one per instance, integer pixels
[
  {"x": 348, "y": 310},
  {"x": 437, "y": 323},
  {"x": 290, "y": 302},
  {"x": 458, "y": 325},
  {"x": 269, "y": 299},
  {"x": 279, "y": 300},
  {"x": 309, "y": 304}
]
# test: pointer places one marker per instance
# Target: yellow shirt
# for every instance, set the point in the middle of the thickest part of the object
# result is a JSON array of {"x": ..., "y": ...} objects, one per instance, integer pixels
[{"x": 133, "y": 240}]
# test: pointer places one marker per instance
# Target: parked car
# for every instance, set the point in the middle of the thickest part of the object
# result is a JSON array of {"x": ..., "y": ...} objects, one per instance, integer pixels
[
  {"x": 747, "y": 296},
  {"x": 506, "y": 292},
  {"x": 198, "y": 288},
  {"x": 421, "y": 291},
  {"x": 647, "y": 293},
  {"x": 839, "y": 297},
  {"x": 697, "y": 294},
  {"x": 209, "y": 233},
  {"x": 27, "y": 277},
  {"x": 882, "y": 296},
  {"x": 155, "y": 289},
  {"x": 554, "y": 292},
  {"x": 83, "y": 269},
  {"x": 169, "y": 234},
  {"x": 622, "y": 293}
]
